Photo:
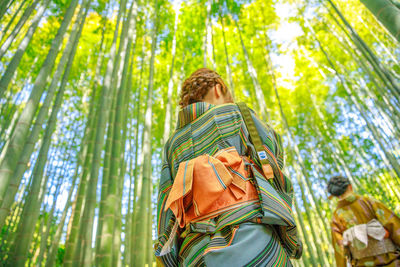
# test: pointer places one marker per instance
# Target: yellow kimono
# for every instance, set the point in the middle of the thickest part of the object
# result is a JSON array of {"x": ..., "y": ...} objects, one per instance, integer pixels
[{"x": 356, "y": 210}]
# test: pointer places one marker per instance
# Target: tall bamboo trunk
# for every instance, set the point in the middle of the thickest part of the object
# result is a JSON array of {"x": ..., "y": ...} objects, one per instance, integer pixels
[
  {"x": 23, "y": 161},
  {"x": 337, "y": 153},
  {"x": 105, "y": 178},
  {"x": 110, "y": 243},
  {"x": 353, "y": 98},
  {"x": 32, "y": 206},
  {"x": 25, "y": 120},
  {"x": 128, "y": 166},
  {"x": 143, "y": 208},
  {"x": 49, "y": 224},
  {"x": 11, "y": 21},
  {"x": 13, "y": 64},
  {"x": 55, "y": 240},
  {"x": 209, "y": 53},
  {"x": 387, "y": 14},
  {"x": 253, "y": 74},
  {"x": 168, "y": 108},
  {"x": 104, "y": 182},
  {"x": 305, "y": 236},
  {"x": 207, "y": 33},
  {"x": 389, "y": 51},
  {"x": 138, "y": 163},
  {"x": 3, "y": 7},
  {"x": 390, "y": 99},
  {"x": 321, "y": 257},
  {"x": 293, "y": 143},
  {"x": 83, "y": 249},
  {"x": 122, "y": 118},
  {"x": 228, "y": 64},
  {"x": 385, "y": 74},
  {"x": 7, "y": 43},
  {"x": 80, "y": 203}
]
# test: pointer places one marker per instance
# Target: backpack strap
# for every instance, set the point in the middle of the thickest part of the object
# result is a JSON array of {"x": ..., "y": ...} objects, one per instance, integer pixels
[{"x": 256, "y": 140}]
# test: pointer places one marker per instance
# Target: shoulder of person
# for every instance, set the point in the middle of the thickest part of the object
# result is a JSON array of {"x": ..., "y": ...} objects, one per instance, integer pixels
[
  {"x": 224, "y": 108},
  {"x": 266, "y": 124},
  {"x": 368, "y": 199}
]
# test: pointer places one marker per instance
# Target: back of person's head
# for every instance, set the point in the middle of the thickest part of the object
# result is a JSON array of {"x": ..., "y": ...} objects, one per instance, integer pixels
[
  {"x": 338, "y": 185},
  {"x": 196, "y": 87}
]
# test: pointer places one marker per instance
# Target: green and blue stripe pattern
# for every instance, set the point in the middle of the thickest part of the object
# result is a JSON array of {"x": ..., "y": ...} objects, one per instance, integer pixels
[{"x": 205, "y": 129}]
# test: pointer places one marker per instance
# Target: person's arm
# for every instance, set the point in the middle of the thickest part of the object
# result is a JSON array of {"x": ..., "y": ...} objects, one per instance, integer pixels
[
  {"x": 388, "y": 218},
  {"x": 288, "y": 189},
  {"x": 165, "y": 221},
  {"x": 337, "y": 242}
]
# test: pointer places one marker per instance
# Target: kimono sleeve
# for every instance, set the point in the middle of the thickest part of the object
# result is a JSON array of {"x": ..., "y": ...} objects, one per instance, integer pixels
[
  {"x": 165, "y": 222},
  {"x": 389, "y": 220},
  {"x": 337, "y": 242},
  {"x": 272, "y": 143}
]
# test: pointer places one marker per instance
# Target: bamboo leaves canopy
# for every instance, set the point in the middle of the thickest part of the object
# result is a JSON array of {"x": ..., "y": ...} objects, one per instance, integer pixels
[{"x": 89, "y": 95}]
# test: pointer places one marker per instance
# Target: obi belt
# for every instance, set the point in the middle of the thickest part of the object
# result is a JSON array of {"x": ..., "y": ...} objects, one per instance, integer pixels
[
  {"x": 368, "y": 240},
  {"x": 206, "y": 186}
]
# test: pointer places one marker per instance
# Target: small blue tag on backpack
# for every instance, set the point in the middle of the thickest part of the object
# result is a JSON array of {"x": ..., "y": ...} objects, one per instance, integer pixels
[{"x": 262, "y": 155}]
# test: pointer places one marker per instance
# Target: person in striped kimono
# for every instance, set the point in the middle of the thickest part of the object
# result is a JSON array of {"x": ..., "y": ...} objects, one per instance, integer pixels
[
  {"x": 364, "y": 231},
  {"x": 217, "y": 206}
]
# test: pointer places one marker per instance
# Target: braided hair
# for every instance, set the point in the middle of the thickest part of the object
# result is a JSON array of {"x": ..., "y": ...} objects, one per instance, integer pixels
[
  {"x": 337, "y": 185},
  {"x": 198, "y": 84}
]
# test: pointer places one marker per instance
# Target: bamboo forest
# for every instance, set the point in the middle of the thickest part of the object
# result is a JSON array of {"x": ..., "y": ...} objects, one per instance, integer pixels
[{"x": 89, "y": 94}]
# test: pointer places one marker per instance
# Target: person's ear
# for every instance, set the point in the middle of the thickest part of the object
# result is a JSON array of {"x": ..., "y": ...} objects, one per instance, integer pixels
[{"x": 217, "y": 91}]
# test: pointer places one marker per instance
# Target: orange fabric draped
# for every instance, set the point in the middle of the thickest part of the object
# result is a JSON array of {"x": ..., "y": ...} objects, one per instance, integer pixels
[{"x": 208, "y": 184}]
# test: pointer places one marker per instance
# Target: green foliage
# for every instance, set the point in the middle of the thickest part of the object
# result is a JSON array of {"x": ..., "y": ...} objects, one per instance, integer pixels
[
  {"x": 339, "y": 95},
  {"x": 60, "y": 255}
]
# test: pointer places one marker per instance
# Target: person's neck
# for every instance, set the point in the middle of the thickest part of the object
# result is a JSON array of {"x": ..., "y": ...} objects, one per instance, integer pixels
[
  {"x": 208, "y": 101},
  {"x": 346, "y": 194}
]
